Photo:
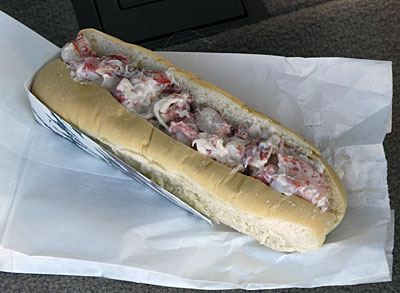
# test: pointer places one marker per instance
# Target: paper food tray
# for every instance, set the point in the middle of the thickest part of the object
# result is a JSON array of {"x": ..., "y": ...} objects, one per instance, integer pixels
[{"x": 55, "y": 123}]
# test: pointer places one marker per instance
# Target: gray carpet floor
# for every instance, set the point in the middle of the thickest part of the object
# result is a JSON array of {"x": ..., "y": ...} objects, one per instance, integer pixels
[{"x": 368, "y": 29}]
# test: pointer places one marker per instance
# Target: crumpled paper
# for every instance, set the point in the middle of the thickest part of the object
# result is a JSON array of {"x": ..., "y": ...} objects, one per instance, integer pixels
[{"x": 63, "y": 211}]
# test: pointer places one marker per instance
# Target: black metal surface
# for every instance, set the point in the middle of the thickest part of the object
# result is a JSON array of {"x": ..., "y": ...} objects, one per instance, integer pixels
[{"x": 155, "y": 23}]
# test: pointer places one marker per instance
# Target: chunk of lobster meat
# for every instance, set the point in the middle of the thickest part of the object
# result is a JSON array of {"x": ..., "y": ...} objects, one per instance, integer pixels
[
  {"x": 138, "y": 98},
  {"x": 172, "y": 107},
  {"x": 257, "y": 154},
  {"x": 210, "y": 121},
  {"x": 241, "y": 132},
  {"x": 266, "y": 175},
  {"x": 86, "y": 71},
  {"x": 111, "y": 68},
  {"x": 106, "y": 71},
  {"x": 184, "y": 131},
  {"x": 302, "y": 179},
  {"x": 228, "y": 151},
  {"x": 235, "y": 152},
  {"x": 172, "y": 88},
  {"x": 160, "y": 78},
  {"x": 76, "y": 50},
  {"x": 112, "y": 65}
]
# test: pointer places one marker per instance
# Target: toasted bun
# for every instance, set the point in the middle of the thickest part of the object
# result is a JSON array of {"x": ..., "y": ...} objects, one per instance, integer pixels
[{"x": 284, "y": 223}]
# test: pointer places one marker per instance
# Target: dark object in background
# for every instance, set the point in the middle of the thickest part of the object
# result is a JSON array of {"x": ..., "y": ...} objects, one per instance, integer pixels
[{"x": 159, "y": 23}]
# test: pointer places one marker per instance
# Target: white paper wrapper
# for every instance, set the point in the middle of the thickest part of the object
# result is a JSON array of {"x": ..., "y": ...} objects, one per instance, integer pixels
[{"x": 63, "y": 211}]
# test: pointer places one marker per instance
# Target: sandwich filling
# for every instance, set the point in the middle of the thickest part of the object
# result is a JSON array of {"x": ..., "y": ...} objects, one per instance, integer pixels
[{"x": 158, "y": 98}]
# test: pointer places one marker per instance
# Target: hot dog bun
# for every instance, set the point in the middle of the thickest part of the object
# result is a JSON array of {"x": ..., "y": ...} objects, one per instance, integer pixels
[{"x": 284, "y": 223}]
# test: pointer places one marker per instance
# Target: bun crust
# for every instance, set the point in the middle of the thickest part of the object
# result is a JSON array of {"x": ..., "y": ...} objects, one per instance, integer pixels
[{"x": 284, "y": 223}]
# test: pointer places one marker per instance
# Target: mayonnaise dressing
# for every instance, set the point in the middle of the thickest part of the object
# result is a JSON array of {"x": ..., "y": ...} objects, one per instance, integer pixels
[
  {"x": 162, "y": 106},
  {"x": 69, "y": 53},
  {"x": 139, "y": 97},
  {"x": 228, "y": 151}
]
